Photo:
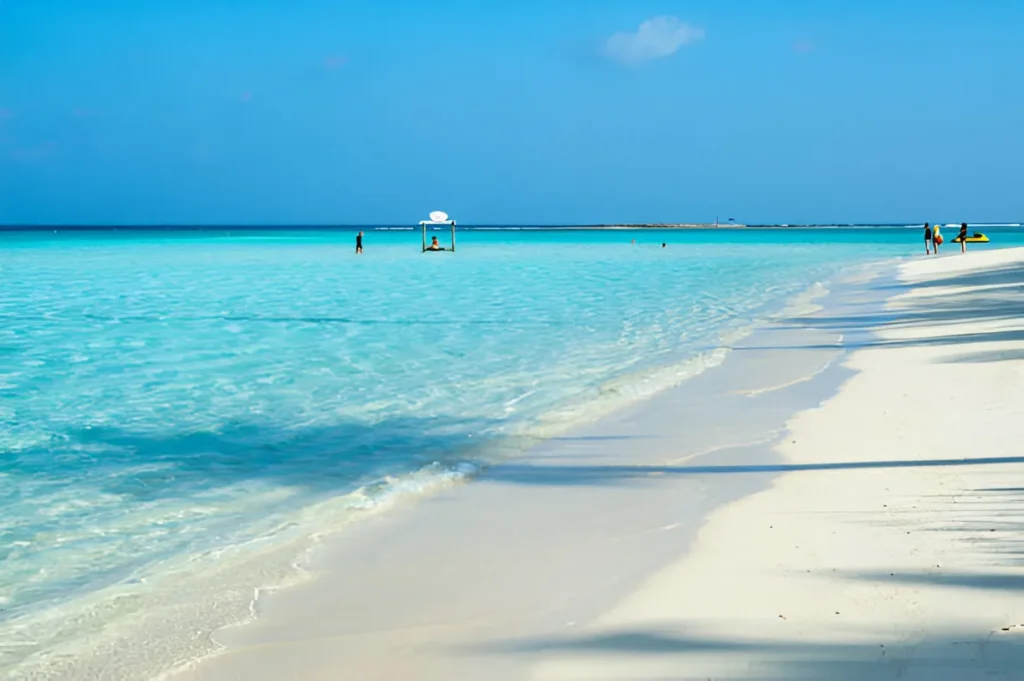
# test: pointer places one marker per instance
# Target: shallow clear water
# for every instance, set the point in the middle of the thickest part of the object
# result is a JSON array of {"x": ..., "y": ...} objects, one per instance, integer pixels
[{"x": 165, "y": 395}]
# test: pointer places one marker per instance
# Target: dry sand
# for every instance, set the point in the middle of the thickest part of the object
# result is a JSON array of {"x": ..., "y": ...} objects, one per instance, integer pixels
[
  {"x": 711, "y": 534},
  {"x": 909, "y": 567}
]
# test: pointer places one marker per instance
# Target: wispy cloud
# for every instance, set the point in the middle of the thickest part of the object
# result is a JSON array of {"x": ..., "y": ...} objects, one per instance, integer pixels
[
  {"x": 246, "y": 96},
  {"x": 81, "y": 112},
  {"x": 334, "y": 63},
  {"x": 5, "y": 114},
  {"x": 34, "y": 154},
  {"x": 803, "y": 46},
  {"x": 654, "y": 39}
]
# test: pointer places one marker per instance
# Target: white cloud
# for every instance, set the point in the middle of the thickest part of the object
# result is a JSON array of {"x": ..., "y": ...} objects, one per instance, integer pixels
[{"x": 655, "y": 38}]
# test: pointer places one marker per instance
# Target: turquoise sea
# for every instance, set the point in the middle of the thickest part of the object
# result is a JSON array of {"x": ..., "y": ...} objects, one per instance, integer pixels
[{"x": 181, "y": 410}]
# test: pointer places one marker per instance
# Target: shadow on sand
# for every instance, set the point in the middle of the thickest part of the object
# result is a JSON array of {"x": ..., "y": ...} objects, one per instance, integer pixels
[
  {"x": 529, "y": 474},
  {"x": 670, "y": 654},
  {"x": 991, "y": 519},
  {"x": 1001, "y": 304}
]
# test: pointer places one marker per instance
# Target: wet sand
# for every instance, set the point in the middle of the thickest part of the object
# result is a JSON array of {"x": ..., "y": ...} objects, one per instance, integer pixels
[{"x": 840, "y": 499}]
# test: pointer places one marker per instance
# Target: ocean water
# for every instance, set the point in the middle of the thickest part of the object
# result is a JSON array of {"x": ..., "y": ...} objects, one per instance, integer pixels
[{"x": 180, "y": 412}]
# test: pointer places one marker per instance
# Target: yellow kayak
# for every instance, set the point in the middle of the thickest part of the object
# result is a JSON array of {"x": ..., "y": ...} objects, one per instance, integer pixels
[{"x": 976, "y": 238}]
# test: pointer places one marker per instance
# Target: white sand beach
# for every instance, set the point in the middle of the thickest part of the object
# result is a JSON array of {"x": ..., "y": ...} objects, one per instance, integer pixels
[{"x": 810, "y": 510}]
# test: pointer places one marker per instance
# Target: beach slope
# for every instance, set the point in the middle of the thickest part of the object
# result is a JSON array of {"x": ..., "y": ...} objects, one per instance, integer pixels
[
  {"x": 893, "y": 544},
  {"x": 810, "y": 510}
]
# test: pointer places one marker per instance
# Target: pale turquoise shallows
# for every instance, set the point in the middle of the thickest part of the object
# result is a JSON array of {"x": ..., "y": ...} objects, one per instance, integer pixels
[{"x": 166, "y": 395}]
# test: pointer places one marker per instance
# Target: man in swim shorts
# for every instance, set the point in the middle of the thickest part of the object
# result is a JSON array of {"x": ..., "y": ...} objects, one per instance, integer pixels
[
  {"x": 927, "y": 238},
  {"x": 963, "y": 237},
  {"x": 359, "y": 242}
]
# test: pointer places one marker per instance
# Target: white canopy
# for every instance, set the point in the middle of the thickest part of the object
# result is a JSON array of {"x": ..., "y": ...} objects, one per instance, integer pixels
[{"x": 438, "y": 217}]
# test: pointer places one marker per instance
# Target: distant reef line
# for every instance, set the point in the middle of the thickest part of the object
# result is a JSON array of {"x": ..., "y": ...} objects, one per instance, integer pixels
[
  {"x": 668, "y": 225},
  {"x": 462, "y": 226},
  {"x": 221, "y": 228},
  {"x": 398, "y": 227}
]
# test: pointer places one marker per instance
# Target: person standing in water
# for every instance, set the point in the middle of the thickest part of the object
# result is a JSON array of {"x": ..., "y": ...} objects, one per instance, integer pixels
[
  {"x": 359, "y": 243},
  {"x": 936, "y": 238},
  {"x": 963, "y": 237},
  {"x": 927, "y": 239}
]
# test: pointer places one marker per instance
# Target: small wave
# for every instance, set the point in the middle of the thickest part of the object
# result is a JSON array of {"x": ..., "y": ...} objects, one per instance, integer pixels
[
  {"x": 201, "y": 592},
  {"x": 803, "y": 302},
  {"x": 633, "y": 387}
]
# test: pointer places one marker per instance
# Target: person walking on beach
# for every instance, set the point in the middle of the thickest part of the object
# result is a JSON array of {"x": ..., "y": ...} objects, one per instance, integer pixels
[
  {"x": 927, "y": 239},
  {"x": 963, "y": 237},
  {"x": 359, "y": 243},
  {"x": 936, "y": 238}
]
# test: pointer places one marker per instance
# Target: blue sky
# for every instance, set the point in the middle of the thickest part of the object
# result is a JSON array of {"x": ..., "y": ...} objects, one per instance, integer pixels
[{"x": 359, "y": 111}]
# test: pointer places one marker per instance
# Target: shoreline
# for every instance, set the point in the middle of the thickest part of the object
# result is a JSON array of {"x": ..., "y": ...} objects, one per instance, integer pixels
[
  {"x": 642, "y": 462},
  {"x": 833, "y": 530},
  {"x": 509, "y": 494},
  {"x": 215, "y": 589},
  {"x": 888, "y": 548}
]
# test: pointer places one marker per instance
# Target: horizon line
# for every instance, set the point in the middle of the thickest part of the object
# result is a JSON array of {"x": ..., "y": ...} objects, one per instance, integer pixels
[{"x": 483, "y": 225}]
